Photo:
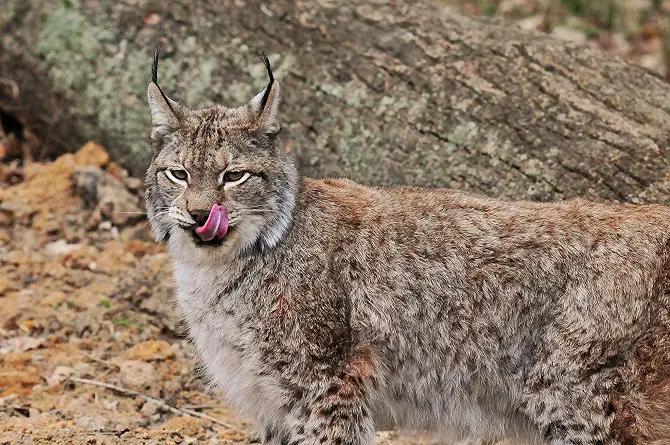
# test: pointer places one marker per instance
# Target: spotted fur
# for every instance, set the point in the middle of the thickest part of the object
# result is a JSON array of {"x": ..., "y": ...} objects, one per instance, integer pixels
[{"x": 332, "y": 309}]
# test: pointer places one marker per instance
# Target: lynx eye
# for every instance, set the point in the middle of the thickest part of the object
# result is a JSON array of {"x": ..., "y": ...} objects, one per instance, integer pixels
[
  {"x": 232, "y": 176},
  {"x": 177, "y": 175},
  {"x": 229, "y": 179}
]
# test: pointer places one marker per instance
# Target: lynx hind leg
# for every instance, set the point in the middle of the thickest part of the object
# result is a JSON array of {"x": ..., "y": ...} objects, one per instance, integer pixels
[{"x": 643, "y": 410}]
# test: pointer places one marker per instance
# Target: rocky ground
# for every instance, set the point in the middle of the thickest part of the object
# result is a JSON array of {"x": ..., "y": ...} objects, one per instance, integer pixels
[{"x": 92, "y": 350}]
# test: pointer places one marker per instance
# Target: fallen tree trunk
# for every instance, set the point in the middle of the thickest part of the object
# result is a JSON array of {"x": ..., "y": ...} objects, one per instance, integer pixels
[{"x": 381, "y": 92}]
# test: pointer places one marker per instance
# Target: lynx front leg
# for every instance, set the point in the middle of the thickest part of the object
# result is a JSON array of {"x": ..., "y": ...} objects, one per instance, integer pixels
[
  {"x": 338, "y": 415},
  {"x": 273, "y": 435}
]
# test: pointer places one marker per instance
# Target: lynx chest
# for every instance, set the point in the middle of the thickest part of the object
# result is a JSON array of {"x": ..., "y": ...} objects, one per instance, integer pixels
[{"x": 221, "y": 324}]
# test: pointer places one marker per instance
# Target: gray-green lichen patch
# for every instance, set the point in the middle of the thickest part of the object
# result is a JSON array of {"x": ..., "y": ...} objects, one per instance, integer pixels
[
  {"x": 237, "y": 93},
  {"x": 353, "y": 94},
  {"x": 10, "y": 11},
  {"x": 418, "y": 107},
  {"x": 200, "y": 81},
  {"x": 69, "y": 43},
  {"x": 281, "y": 65},
  {"x": 83, "y": 58},
  {"x": 463, "y": 133},
  {"x": 358, "y": 148},
  {"x": 390, "y": 104}
]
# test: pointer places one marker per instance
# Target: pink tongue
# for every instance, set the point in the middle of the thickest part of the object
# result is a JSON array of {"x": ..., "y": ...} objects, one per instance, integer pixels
[{"x": 216, "y": 225}]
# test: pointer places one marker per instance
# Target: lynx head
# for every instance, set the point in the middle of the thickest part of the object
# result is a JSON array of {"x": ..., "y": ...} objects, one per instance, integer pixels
[{"x": 219, "y": 180}]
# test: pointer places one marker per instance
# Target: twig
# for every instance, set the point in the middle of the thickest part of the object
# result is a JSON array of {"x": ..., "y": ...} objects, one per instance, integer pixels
[
  {"x": 160, "y": 402},
  {"x": 99, "y": 360},
  {"x": 197, "y": 407},
  {"x": 126, "y": 157}
]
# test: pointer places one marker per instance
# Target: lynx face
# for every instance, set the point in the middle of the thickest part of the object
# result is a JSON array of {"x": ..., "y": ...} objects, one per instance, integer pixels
[{"x": 219, "y": 179}]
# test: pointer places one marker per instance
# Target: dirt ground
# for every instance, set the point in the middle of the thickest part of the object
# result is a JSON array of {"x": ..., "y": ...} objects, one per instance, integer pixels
[{"x": 86, "y": 300}]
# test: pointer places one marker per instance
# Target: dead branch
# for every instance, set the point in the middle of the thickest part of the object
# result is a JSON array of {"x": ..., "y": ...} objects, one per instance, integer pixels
[{"x": 160, "y": 402}]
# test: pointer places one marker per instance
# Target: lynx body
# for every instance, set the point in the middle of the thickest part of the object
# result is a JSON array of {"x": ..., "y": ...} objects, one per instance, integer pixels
[{"x": 325, "y": 309}]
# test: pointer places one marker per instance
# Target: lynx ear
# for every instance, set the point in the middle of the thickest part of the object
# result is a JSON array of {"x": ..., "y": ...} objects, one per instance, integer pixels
[
  {"x": 266, "y": 103},
  {"x": 165, "y": 113}
]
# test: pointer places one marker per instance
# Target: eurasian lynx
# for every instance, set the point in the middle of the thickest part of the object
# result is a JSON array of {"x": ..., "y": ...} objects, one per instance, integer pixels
[{"x": 324, "y": 308}]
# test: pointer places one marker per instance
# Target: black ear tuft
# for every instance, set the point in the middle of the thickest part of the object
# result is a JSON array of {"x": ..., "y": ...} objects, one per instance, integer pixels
[
  {"x": 154, "y": 76},
  {"x": 264, "y": 101},
  {"x": 154, "y": 67}
]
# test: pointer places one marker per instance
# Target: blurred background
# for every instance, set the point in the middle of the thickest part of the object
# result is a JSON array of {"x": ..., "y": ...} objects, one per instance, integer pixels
[
  {"x": 637, "y": 30},
  {"x": 535, "y": 100}
]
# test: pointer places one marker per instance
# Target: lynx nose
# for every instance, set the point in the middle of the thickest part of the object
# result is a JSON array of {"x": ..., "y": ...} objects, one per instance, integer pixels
[{"x": 199, "y": 216}]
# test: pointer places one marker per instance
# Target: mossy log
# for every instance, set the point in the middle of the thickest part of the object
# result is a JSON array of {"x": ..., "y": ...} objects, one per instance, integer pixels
[{"x": 401, "y": 92}]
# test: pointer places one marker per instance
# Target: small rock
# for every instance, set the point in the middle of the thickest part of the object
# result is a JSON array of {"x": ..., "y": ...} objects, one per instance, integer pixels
[
  {"x": 171, "y": 389},
  {"x": 153, "y": 19},
  {"x": 110, "y": 404},
  {"x": 20, "y": 344},
  {"x": 15, "y": 213},
  {"x": 4, "y": 237},
  {"x": 117, "y": 171},
  {"x": 105, "y": 225},
  {"x": 652, "y": 61},
  {"x": 59, "y": 248},
  {"x": 92, "y": 423},
  {"x": 88, "y": 321},
  {"x": 6, "y": 286},
  {"x": 160, "y": 301},
  {"x": 150, "y": 408},
  {"x": 141, "y": 231},
  {"x": 134, "y": 184},
  {"x": 530, "y": 23},
  {"x": 7, "y": 400},
  {"x": 569, "y": 34},
  {"x": 18, "y": 257},
  {"x": 11, "y": 173},
  {"x": 59, "y": 375},
  {"x": 112, "y": 201},
  {"x": 91, "y": 154},
  {"x": 150, "y": 350},
  {"x": 138, "y": 374},
  {"x": 621, "y": 44},
  {"x": 231, "y": 435},
  {"x": 185, "y": 425}
]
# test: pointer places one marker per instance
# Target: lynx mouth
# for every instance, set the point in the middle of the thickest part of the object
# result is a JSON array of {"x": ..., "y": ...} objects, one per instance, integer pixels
[
  {"x": 213, "y": 231},
  {"x": 216, "y": 225},
  {"x": 211, "y": 243}
]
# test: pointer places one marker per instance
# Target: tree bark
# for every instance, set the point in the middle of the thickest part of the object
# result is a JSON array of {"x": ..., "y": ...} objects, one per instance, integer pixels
[{"x": 399, "y": 92}]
